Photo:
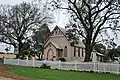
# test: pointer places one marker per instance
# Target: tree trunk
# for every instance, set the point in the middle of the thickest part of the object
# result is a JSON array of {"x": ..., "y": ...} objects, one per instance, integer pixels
[
  {"x": 88, "y": 51},
  {"x": 19, "y": 48},
  {"x": 39, "y": 56}
]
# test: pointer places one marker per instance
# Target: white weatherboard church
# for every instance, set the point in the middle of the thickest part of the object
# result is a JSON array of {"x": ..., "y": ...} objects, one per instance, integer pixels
[{"x": 58, "y": 46}]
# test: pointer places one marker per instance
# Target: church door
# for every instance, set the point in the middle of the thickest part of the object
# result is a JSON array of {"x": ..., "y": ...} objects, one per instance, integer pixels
[{"x": 50, "y": 54}]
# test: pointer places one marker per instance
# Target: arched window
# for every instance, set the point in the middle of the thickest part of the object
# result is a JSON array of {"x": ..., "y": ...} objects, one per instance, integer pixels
[
  {"x": 65, "y": 51},
  {"x": 74, "y": 51},
  {"x": 55, "y": 32},
  {"x": 82, "y": 52},
  {"x": 59, "y": 53},
  {"x": 78, "y": 52}
]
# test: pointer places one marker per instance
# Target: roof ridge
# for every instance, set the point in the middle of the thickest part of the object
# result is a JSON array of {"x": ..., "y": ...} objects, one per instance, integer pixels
[{"x": 62, "y": 29}]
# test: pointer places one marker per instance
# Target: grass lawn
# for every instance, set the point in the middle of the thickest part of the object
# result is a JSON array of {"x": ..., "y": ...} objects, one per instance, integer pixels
[{"x": 47, "y": 74}]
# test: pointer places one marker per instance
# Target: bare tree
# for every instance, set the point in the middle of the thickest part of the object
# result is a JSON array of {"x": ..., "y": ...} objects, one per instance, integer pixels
[
  {"x": 91, "y": 18},
  {"x": 17, "y": 21}
]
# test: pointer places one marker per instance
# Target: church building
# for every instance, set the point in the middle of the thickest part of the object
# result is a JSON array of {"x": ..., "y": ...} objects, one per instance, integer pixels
[{"x": 58, "y": 46}]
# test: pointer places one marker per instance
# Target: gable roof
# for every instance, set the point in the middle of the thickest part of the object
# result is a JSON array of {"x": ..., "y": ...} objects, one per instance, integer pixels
[
  {"x": 61, "y": 29},
  {"x": 55, "y": 45},
  {"x": 80, "y": 43}
]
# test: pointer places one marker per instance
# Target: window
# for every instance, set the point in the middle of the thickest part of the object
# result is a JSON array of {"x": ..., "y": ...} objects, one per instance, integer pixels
[
  {"x": 78, "y": 52},
  {"x": 59, "y": 32},
  {"x": 82, "y": 52},
  {"x": 59, "y": 53},
  {"x": 65, "y": 51},
  {"x": 74, "y": 51},
  {"x": 55, "y": 32},
  {"x": 50, "y": 45}
]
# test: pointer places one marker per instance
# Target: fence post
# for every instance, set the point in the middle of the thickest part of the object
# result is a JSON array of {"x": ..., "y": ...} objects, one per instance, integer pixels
[
  {"x": 106, "y": 68},
  {"x": 4, "y": 60},
  {"x": 117, "y": 68},
  {"x": 27, "y": 60},
  {"x": 94, "y": 67},
  {"x": 18, "y": 60},
  {"x": 59, "y": 64},
  {"x": 33, "y": 61},
  {"x": 104, "y": 64},
  {"x": 10, "y": 61},
  {"x": 75, "y": 65}
]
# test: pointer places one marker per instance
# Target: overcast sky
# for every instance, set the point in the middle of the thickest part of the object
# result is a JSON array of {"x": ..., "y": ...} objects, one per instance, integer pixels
[
  {"x": 12, "y": 2},
  {"x": 60, "y": 20}
]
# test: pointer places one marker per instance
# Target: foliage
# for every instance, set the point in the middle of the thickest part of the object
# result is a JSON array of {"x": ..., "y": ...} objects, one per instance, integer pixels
[
  {"x": 7, "y": 49},
  {"x": 100, "y": 48},
  {"x": 26, "y": 51},
  {"x": 112, "y": 53},
  {"x": 91, "y": 20},
  {"x": 45, "y": 66},
  {"x": 72, "y": 37},
  {"x": 62, "y": 59},
  {"x": 39, "y": 37}
]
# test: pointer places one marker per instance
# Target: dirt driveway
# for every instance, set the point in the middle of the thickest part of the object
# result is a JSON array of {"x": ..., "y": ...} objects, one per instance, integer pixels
[{"x": 4, "y": 78}]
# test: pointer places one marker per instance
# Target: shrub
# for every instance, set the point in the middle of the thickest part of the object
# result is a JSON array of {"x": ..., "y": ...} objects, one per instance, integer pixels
[
  {"x": 71, "y": 70},
  {"x": 62, "y": 59},
  {"x": 107, "y": 72},
  {"x": 45, "y": 66},
  {"x": 91, "y": 71},
  {"x": 56, "y": 69}
]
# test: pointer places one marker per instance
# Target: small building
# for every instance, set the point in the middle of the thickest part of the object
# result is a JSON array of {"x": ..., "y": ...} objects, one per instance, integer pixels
[
  {"x": 58, "y": 46},
  {"x": 97, "y": 57}
]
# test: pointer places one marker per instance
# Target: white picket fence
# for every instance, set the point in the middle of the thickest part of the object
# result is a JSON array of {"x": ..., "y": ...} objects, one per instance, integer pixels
[{"x": 81, "y": 66}]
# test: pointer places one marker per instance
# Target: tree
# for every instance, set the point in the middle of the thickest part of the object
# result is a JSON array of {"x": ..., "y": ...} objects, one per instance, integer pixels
[
  {"x": 90, "y": 19},
  {"x": 17, "y": 21},
  {"x": 26, "y": 51},
  {"x": 118, "y": 49},
  {"x": 38, "y": 38},
  {"x": 7, "y": 49},
  {"x": 72, "y": 37},
  {"x": 113, "y": 52},
  {"x": 100, "y": 48}
]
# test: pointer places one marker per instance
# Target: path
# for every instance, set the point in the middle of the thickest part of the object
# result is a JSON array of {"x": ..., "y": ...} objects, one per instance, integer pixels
[{"x": 4, "y": 78}]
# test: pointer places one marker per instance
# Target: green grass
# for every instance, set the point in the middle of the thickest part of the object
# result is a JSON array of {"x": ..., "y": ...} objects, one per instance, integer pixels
[{"x": 47, "y": 74}]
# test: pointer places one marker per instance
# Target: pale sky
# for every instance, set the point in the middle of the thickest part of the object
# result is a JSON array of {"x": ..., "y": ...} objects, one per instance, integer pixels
[
  {"x": 61, "y": 20},
  {"x": 11, "y": 2}
]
